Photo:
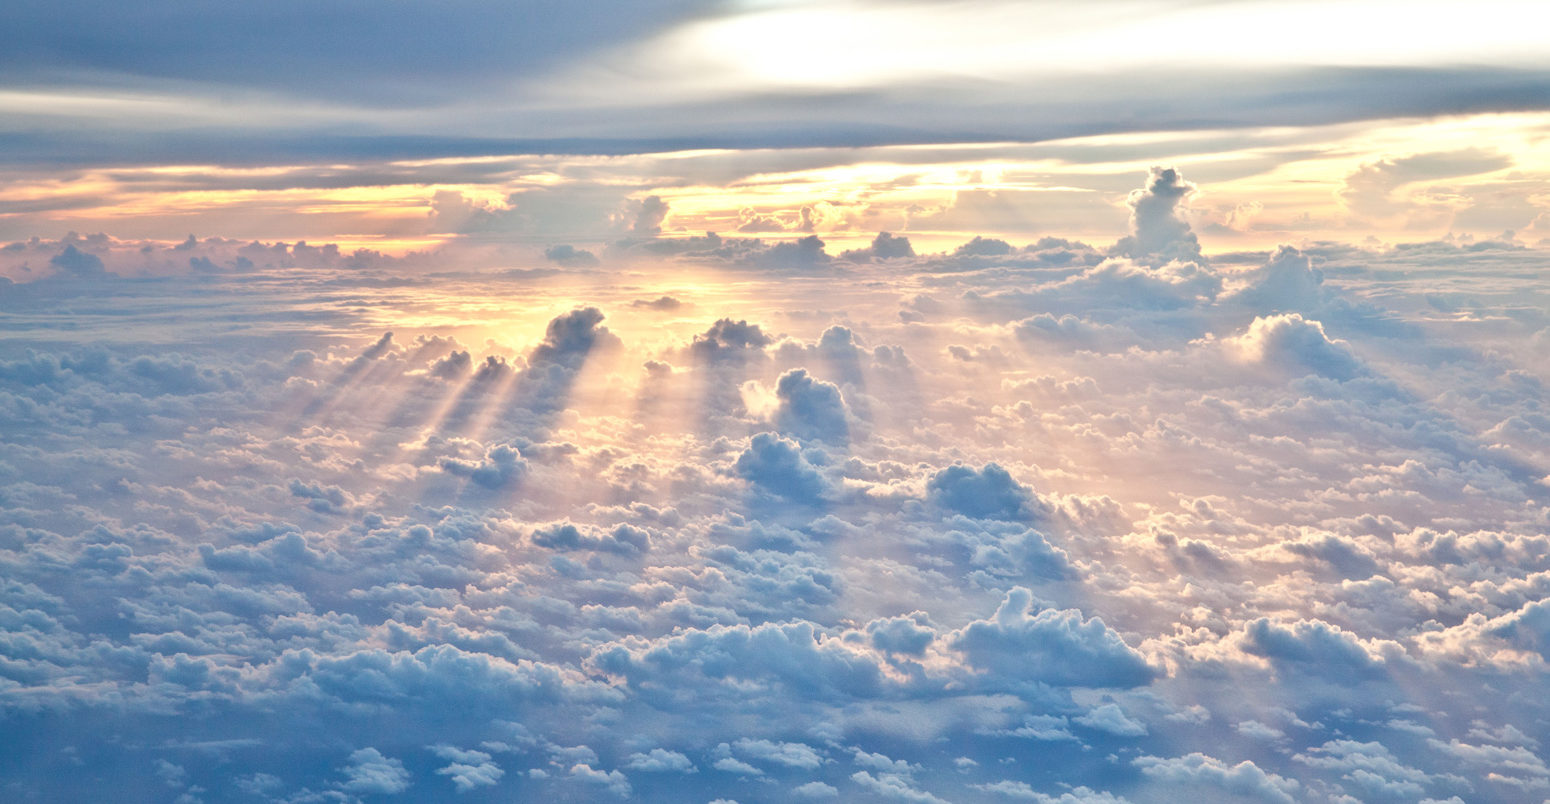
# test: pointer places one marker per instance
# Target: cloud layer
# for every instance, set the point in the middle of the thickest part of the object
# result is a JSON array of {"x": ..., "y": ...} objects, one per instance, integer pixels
[{"x": 720, "y": 518}]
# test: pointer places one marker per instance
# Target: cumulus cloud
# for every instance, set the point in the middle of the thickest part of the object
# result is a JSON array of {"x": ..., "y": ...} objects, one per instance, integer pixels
[
  {"x": 989, "y": 492},
  {"x": 468, "y": 769},
  {"x": 885, "y": 246},
  {"x": 76, "y": 263},
  {"x": 369, "y": 772},
  {"x": 1244, "y": 779},
  {"x": 1287, "y": 282},
  {"x": 777, "y": 465},
  {"x": 1158, "y": 231},
  {"x": 1289, "y": 341},
  {"x": 811, "y": 408},
  {"x": 660, "y": 760},
  {"x": 1110, "y": 718},
  {"x": 500, "y": 465},
  {"x": 1057, "y": 647}
]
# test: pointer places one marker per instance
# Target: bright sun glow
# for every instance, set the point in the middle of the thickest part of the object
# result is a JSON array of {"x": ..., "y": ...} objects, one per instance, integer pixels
[{"x": 864, "y": 44}]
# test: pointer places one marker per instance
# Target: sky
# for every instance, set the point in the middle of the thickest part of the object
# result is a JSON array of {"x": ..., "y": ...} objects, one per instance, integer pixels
[{"x": 748, "y": 400}]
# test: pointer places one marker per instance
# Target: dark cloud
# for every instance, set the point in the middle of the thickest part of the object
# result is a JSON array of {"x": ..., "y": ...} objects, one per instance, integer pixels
[
  {"x": 319, "y": 50},
  {"x": 570, "y": 256}
]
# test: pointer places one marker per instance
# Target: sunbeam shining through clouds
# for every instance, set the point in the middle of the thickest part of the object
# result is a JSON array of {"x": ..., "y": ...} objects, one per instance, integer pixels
[{"x": 712, "y": 401}]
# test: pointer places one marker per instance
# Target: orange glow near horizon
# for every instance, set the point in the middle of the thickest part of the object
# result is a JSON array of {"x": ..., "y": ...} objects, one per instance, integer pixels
[{"x": 1394, "y": 180}]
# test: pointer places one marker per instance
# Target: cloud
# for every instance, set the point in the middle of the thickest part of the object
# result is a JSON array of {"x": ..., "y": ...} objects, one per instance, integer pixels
[
  {"x": 815, "y": 790},
  {"x": 1110, "y": 718},
  {"x": 892, "y": 787},
  {"x": 1291, "y": 342},
  {"x": 811, "y": 409},
  {"x": 501, "y": 465},
  {"x": 623, "y": 538},
  {"x": 1158, "y": 233},
  {"x": 1243, "y": 779},
  {"x": 985, "y": 493},
  {"x": 1060, "y": 648},
  {"x": 612, "y": 781},
  {"x": 650, "y": 213},
  {"x": 1527, "y": 628},
  {"x": 727, "y": 335},
  {"x": 569, "y": 338},
  {"x": 737, "y": 766},
  {"x": 983, "y": 247},
  {"x": 662, "y": 303},
  {"x": 660, "y": 760},
  {"x": 1369, "y": 191},
  {"x": 1287, "y": 282},
  {"x": 473, "y": 37},
  {"x": 468, "y": 770},
  {"x": 1368, "y": 767},
  {"x": 885, "y": 246},
  {"x": 76, "y": 263},
  {"x": 794, "y": 656},
  {"x": 805, "y": 253},
  {"x": 777, "y": 465},
  {"x": 570, "y": 256},
  {"x": 371, "y": 773},
  {"x": 908, "y": 635},
  {"x": 1315, "y": 646},
  {"x": 791, "y": 755},
  {"x": 1022, "y": 791}
]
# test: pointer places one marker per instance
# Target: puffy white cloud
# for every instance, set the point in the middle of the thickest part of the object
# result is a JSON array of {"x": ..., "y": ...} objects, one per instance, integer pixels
[
  {"x": 1370, "y": 768},
  {"x": 1290, "y": 342},
  {"x": 612, "y": 781},
  {"x": 815, "y": 790},
  {"x": 989, "y": 492},
  {"x": 1057, "y": 647},
  {"x": 1158, "y": 232},
  {"x": 1244, "y": 779},
  {"x": 892, "y": 787},
  {"x": 1110, "y": 718},
  {"x": 1317, "y": 647},
  {"x": 468, "y": 769},
  {"x": 370, "y": 773},
  {"x": 660, "y": 760},
  {"x": 792, "y": 755}
]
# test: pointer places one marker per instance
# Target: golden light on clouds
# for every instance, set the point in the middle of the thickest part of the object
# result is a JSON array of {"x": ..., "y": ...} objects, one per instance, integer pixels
[{"x": 1396, "y": 180}]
